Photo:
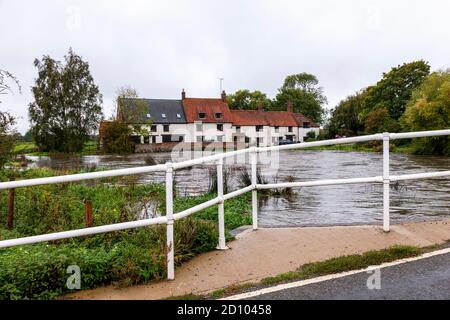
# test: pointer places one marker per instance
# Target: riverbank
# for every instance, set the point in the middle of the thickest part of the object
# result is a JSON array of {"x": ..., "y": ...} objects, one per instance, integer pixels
[
  {"x": 356, "y": 147},
  {"x": 30, "y": 148},
  {"x": 123, "y": 258},
  {"x": 257, "y": 256}
]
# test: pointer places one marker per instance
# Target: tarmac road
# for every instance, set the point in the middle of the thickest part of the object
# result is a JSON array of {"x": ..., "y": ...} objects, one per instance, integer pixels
[{"x": 425, "y": 279}]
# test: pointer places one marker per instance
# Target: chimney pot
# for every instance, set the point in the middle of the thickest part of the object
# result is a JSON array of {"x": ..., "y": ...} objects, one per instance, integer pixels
[{"x": 183, "y": 95}]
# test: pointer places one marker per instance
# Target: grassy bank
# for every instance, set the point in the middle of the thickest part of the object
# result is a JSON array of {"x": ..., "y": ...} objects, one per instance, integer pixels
[
  {"x": 357, "y": 147},
  {"x": 30, "y": 148},
  {"x": 125, "y": 258}
]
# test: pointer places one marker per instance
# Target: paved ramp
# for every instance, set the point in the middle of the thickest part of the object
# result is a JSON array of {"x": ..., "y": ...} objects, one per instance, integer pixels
[{"x": 268, "y": 252}]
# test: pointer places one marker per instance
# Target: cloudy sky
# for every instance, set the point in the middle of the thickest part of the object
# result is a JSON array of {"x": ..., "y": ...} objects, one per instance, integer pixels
[{"x": 160, "y": 47}]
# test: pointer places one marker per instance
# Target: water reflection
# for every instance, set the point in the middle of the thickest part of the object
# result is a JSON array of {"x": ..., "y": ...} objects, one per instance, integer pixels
[{"x": 330, "y": 205}]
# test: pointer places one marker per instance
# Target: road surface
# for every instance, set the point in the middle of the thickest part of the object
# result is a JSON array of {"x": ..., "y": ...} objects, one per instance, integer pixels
[{"x": 428, "y": 278}]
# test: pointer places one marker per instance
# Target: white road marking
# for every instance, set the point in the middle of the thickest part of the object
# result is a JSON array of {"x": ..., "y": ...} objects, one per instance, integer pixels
[{"x": 302, "y": 283}]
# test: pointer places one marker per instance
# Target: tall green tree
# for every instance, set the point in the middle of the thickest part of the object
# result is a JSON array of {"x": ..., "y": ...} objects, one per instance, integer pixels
[
  {"x": 67, "y": 106},
  {"x": 394, "y": 90},
  {"x": 305, "y": 94},
  {"x": 346, "y": 119},
  {"x": 247, "y": 100},
  {"x": 429, "y": 109}
]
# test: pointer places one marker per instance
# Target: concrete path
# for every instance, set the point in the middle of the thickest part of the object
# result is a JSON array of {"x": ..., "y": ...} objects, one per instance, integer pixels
[
  {"x": 268, "y": 252},
  {"x": 424, "y": 279}
]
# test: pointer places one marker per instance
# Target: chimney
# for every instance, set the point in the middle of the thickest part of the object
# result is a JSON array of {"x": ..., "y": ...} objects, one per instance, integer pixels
[
  {"x": 260, "y": 107},
  {"x": 290, "y": 107},
  {"x": 224, "y": 96},
  {"x": 183, "y": 94}
]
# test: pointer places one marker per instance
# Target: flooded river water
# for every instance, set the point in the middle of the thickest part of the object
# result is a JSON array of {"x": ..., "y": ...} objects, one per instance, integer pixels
[{"x": 331, "y": 205}]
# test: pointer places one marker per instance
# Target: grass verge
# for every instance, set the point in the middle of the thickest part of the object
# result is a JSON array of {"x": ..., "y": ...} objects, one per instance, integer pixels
[{"x": 331, "y": 266}]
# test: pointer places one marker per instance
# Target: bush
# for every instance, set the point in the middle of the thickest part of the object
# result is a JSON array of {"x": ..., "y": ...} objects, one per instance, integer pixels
[{"x": 125, "y": 258}]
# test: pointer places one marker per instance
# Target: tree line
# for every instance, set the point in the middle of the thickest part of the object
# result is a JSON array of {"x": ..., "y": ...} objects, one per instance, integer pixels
[{"x": 408, "y": 98}]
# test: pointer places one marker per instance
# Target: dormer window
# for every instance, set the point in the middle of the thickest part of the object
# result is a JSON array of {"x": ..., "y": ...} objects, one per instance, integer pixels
[
  {"x": 202, "y": 115},
  {"x": 218, "y": 115},
  {"x": 163, "y": 116}
]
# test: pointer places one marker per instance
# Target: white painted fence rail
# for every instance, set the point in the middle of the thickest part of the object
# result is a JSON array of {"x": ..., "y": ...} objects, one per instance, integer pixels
[{"x": 169, "y": 168}]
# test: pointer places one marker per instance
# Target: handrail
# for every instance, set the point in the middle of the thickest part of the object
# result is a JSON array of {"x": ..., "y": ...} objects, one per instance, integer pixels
[{"x": 169, "y": 168}]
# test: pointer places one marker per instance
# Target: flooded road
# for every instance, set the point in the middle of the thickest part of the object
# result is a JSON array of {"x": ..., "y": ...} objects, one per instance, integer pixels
[{"x": 331, "y": 205}]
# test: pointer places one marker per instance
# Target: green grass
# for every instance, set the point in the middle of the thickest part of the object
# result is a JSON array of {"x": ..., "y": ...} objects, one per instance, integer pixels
[
  {"x": 124, "y": 258},
  {"x": 25, "y": 148},
  {"x": 345, "y": 263},
  {"x": 30, "y": 148},
  {"x": 359, "y": 147}
]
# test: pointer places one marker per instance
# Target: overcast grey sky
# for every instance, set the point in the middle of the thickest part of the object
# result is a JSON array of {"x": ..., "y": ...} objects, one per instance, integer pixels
[{"x": 160, "y": 47}]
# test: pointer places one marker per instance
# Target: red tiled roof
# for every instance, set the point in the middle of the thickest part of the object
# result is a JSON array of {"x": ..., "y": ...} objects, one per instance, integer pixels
[
  {"x": 300, "y": 118},
  {"x": 249, "y": 118},
  {"x": 194, "y": 106},
  {"x": 281, "y": 119}
]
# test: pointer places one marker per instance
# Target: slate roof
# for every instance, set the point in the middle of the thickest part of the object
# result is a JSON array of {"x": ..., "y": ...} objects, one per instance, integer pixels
[
  {"x": 194, "y": 106},
  {"x": 154, "y": 110}
]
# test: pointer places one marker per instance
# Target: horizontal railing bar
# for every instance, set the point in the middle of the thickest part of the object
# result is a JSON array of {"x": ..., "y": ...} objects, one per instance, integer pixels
[
  {"x": 319, "y": 183},
  {"x": 417, "y": 176},
  {"x": 237, "y": 193},
  {"x": 80, "y": 177},
  {"x": 304, "y": 145},
  {"x": 224, "y": 155},
  {"x": 82, "y": 232},
  {"x": 197, "y": 208},
  {"x": 420, "y": 134}
]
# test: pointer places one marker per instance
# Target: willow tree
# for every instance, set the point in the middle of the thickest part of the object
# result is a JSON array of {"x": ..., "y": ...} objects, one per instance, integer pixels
[{"x": 67, "y": 106}]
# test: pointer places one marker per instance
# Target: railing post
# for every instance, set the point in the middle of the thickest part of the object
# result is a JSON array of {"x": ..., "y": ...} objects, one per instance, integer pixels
[
  {"x": 254, "y": 161},
  {"x": 221, "y": 208},
  {"x": 169, "y": 216},
  {"x": 386, "y": 183}
]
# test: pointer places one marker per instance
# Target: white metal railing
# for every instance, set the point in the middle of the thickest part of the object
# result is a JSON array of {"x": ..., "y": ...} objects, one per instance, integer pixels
[{"x": 169, "y": 168}]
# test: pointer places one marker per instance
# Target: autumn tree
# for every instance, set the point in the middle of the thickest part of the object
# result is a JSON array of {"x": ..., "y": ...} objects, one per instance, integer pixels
[{"x": 67, "y": 104}]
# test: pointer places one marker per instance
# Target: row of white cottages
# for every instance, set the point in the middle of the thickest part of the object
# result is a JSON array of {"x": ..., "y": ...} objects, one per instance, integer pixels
[{"x": 196, "y": 120}]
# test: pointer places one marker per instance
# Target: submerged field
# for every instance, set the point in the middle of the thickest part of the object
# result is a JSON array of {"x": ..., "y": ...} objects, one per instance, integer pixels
[{"x": 128, "y": 257}]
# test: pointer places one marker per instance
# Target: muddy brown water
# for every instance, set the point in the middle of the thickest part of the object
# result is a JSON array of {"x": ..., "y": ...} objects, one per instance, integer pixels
[{"x": 330, "y": 205}]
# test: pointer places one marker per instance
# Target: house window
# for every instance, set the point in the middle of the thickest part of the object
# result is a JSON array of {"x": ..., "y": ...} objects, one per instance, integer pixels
[
  {"x": 220, "y": 127},
  {"x": 178, "y": 116},
  {"x": 202, "y": 115},
  {"x": 290, "y": 129},
  {"x": 306, "y": 125},
  {"x": 238, "y": 129},
  {"x": 200, "y": 138},
  {"x": 198, "y": 127},
  {"x": 163, "y": 115},
  {"x": 259, "y": 128},
  {"x": 154, "y": 128},
  {"x": 153, "y": 139},
  {"x": 218, "y": 115},
  {"x": 277, "y": 129},
  {"x": 259, "y": 141},
  {"x": 247, "y": 140},
  {"x": 219, "y": 138},
  {"x": 166, "y": 128},
  {"x": 146, "y": 139}
]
